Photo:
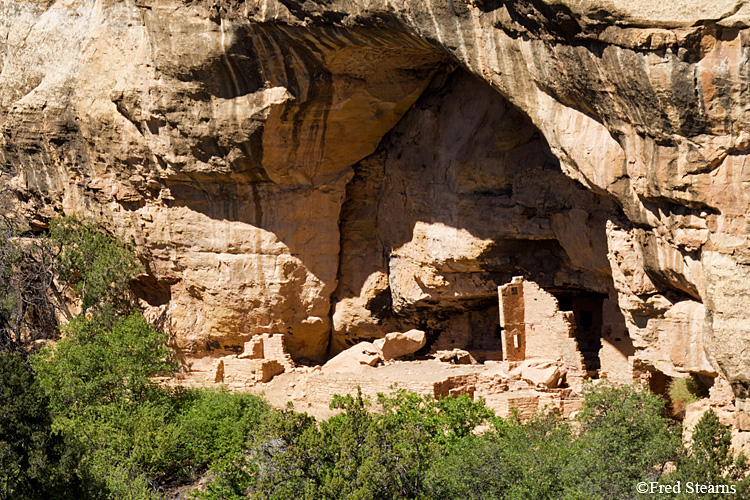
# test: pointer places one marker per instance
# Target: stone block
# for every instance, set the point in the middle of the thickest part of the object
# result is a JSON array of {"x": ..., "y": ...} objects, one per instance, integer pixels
[
  {"x": 354, "y": 359},
  {"x": 541, "y": 373},
  {"x": 267, "y": 369},
  {"x": 398, "y": 344}
]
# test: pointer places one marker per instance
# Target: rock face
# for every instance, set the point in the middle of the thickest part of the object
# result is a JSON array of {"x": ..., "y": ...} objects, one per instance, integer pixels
[
  {"x": 336, "y": 170},
  {"x": 222, "y": 147}
]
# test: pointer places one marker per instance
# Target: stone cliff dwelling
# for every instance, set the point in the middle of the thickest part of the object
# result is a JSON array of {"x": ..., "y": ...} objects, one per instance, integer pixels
[
  {"x": 567, "y": 327},
  {"x": 530, "y": 184}
]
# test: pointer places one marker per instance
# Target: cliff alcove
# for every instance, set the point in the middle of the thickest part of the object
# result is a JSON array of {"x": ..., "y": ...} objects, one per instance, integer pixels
[
  {"x": 461, "y": 196},
  {"x": 331, "y": 171}
]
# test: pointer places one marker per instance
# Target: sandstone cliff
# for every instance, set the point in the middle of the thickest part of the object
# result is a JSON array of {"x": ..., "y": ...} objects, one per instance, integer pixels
[{"x": 337, "y": 169}]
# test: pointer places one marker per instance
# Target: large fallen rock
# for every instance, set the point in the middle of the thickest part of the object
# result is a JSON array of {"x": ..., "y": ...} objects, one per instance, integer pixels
[
  {"x": 355, "y": 359},
  {"x": 398, "y": 344},
  {"x": 541, "y": 373},
  {"x": 456, "y": 357}
]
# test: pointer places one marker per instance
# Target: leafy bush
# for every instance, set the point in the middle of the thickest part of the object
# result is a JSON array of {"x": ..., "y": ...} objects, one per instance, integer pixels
[
  {"x": 216, "y": 424},
  {"x": 34, "y": 462},
  {"x": 98, "y": 381},
  {"x": 443, "y": 419},
  {"x": 103, "y": 360},
  {"x": 712, "y": 462},
  {"x": 413, "y": 446},
  {"x": 95, "y": 265},
  {"x": 684, "y": 391},
  {"x": 619, "y": 439},
  {"x": 514, "y": 460},
  {"x": 132, "y": 449},
  {"x": 360, "y": 453},
  {"x": 131, "y": 433},
  {"x": 94, "y": 400},
  {"x": 624, "y": 439}
]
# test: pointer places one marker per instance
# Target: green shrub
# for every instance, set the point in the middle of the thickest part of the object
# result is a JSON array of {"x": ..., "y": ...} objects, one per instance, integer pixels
[
  {"x": 624, "y": 439},
  {"x": 96, "y": 266},
  {"x": 514, "y": 460},
  {"x": 103, "y": 360},
  {"x": 233, "y": 478},
  {"x": 441, "y": 419},
  {"x": 99, "y": 383},
  {"x": 132, "y": 448},
  {"x": 132, "y": 433},
  {"x": 217, "y": 424},
  {"x": 360, "y": 453},
  {"x": 94, "y": 395},
  {"x": 684, "y": 391},
  {"x": 34, "y": 461},
  {"x": 712, "y": 462}
]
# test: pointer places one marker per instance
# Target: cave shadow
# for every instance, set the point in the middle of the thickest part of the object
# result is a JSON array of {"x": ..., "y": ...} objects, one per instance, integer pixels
[{"x": 492, "y": 177}]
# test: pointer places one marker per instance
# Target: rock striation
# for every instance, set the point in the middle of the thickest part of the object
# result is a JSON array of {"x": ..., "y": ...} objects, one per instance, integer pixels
[{"x": 334, "y": 170}]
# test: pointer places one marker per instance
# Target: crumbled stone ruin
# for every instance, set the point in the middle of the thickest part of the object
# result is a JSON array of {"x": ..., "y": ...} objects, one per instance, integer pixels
[
  {"x": 573, "y": 329},
  {"x": 329, "y": 172},
  {"x": 533, "y": 326}
]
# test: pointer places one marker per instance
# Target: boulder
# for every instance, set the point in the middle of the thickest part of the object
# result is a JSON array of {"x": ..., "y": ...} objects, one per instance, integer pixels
[
  {"x": 397, "y": 344},
  {"x": 541, "y": 373},
  {"x": 456, "y": 356},
  {"x": 356, "y": 358},
  {"x": 464, "y": 358}
]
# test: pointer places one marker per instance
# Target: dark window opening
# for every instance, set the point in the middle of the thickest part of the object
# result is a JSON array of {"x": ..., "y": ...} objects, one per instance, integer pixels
[
  {"x": 587, "y": 320},
  {"x": 565, "y": 303}
]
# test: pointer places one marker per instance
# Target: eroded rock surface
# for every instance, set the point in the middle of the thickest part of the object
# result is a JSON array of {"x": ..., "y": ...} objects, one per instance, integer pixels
[{"x": 336, "y": 170}]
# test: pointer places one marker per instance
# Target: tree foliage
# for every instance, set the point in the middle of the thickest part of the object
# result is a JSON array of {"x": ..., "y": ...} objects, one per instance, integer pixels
[
  {"x": 103, "y": 360},
  {"x": 34, "y": 461},
  {"x": 362, "y": 453},
  {"x": 95, "y": 265},
  {"x": 625, "y": 438},
  {"x": 415, "y": 447},
  {"x": 712, "y": 462},
  {"x": 91, "y": 413},
  {"x": 513, "y": 460}
]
